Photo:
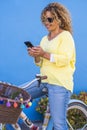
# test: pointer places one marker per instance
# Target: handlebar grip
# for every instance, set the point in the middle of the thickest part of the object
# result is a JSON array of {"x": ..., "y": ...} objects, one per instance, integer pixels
[{"x": 41, "y": 77}]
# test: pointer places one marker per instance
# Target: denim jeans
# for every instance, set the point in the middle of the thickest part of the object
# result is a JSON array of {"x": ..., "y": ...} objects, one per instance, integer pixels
[{"x": 58, "y": 100}]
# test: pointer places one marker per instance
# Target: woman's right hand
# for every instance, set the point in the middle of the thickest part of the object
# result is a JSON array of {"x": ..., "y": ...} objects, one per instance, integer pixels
[{"x": 31, "y": 52}]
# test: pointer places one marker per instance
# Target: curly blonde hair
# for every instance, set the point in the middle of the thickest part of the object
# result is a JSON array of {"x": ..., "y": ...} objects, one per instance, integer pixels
[{"x": 60, "y": 13}]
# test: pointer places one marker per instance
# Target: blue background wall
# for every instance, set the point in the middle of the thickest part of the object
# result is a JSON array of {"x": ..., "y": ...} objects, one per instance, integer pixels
[{"x": 20, "y": 21}]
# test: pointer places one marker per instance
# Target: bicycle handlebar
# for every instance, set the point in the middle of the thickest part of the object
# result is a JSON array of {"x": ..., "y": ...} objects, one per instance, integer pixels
[{"x": 38, "y": 78}]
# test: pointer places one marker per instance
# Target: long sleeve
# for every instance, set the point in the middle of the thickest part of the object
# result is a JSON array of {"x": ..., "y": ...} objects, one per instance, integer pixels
[{"x": 66, "y": 50}]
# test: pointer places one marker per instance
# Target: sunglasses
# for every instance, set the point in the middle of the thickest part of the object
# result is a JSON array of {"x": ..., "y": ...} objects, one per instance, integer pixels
[{"x": 50, "y": 20}]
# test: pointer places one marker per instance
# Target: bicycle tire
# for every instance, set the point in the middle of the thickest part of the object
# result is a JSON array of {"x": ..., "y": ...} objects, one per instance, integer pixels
[{"x": 80, "y": 106}]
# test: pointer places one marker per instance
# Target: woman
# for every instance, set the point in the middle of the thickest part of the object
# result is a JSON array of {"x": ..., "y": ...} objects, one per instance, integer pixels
[{"x": 56, "y": 58}]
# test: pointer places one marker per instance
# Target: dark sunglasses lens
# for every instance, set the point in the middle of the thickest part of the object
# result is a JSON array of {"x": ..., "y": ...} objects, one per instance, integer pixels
[{"x": 50, "y": 20}]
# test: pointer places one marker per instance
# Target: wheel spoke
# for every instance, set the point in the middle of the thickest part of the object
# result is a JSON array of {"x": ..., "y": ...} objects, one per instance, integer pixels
[{"x": 70, "y": 126}]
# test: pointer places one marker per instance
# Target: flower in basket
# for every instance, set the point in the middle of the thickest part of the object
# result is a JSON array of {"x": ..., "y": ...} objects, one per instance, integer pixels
[{"x": 42, "y": 105}]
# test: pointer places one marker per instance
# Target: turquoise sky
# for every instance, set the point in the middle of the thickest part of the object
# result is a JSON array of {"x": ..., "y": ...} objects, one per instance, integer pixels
[{"x": 20, "y": 21}]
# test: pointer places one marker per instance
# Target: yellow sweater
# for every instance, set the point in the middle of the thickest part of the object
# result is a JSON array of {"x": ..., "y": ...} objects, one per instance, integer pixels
[{"x": 60, "y": 72}]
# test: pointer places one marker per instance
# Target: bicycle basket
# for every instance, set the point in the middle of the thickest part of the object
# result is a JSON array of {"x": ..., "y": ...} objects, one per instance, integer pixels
[{"x": 12, "y": 101}]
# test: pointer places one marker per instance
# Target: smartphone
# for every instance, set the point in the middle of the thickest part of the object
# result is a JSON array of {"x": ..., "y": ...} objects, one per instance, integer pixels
[{"x": 28, "y": 44}]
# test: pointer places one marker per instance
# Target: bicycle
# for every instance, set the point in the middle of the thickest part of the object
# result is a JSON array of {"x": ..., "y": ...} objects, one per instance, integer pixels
[{"x": 74, "y": 105}]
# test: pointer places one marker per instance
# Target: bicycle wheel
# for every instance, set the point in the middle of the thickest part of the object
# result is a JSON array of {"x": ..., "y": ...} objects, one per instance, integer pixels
[{"x": 77, "y": 115}]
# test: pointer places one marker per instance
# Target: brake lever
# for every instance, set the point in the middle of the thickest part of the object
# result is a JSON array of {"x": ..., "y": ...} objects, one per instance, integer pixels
[{"x": 39, "y": 77}]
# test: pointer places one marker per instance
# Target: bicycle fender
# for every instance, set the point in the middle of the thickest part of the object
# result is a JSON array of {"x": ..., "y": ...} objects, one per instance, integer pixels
[{"x": 76, "y": 100}]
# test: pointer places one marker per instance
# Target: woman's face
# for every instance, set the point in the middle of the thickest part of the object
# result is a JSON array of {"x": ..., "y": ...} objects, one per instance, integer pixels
[{"x": 50, "y": 22}]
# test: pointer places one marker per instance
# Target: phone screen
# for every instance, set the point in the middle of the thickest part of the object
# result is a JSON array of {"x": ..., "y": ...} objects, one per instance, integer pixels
[{"x": 28, "y": 44}]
